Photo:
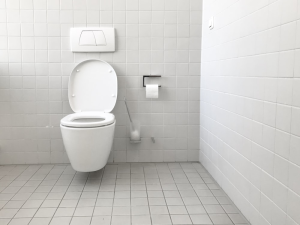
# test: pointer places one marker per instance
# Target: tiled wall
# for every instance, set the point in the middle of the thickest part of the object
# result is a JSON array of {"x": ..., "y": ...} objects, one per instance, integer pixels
[
  {"x": 250, "y": 99},
  {"x": 153, "y": 37}
]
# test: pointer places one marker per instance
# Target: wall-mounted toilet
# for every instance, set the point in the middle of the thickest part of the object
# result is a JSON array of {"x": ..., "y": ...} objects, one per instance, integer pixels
[{"x": 88, "y": 133}]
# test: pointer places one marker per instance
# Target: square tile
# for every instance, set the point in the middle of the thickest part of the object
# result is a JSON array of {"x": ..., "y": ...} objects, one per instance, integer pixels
[
  {"x": 32, "y": 204},
  {"x": 139, "y": 210},
  {"x": 60, "y": 221},
  {"x": 14, "y": 204},
  {"x": 172, "y": 194},
  {"x": 189, "y": 193},
  {"x": 209, "y": 201},
  {"x": 84, "y": 211},
  {"x": 220, "y": 219},
  {"x": 7, "y": 213},
  {"x": 64, "y": 212},
  {"x": 80, "y": 221},
  {"x": 139, "y": 201},
  {"x": 174, "y": 201},
  {"x": 157, "y": 201},
  {"x": 104, "y": 202},
  {"x": 214, "y": 209},
  {"x": 155, "y": 194},
  {"x": 177, "y": 210},
  {"x": 122, "y": 202},
  {"x": 238, "y": 218},
  {"x": 201, "y": 219},
  {"x": 106, "y": 194},
  {"x": 86, "y": 202},
  {"x": 159, "y": 210},
  {"x": 39, "y": 221},
  {"x": 223, "y": 200},
  {"x": 20, "y": 221},
  {"x": 141, "y": 220},
  {"x": 120, "y": 220},
  {"x": 50, "y": 203},
  {"x": 121, "y": 211},
  {"x": 191, "y": 201},
  {"x": 122, "y": 194},
  {"x": 181, "y": 219},
  {"x": 102, "y": 211},
  {"x": 101, "y": 220},
  {"x": 230, "y": 209},
  {"x": 45, "y": 212},
  {"x": 195, "y": 209},
  {"x": 68, "y": 203},
  {"x": 23, "y": 213},
  {"x": 161, "y": 219}
]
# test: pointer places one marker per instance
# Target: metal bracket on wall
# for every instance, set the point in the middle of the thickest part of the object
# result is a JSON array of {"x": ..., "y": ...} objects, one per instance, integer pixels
[{"x": 150, "y": 77}]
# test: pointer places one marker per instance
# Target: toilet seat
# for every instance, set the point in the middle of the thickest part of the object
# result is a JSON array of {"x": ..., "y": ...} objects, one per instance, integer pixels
[
  {"x": 88, "y": 119},
  {"x": 93, "y": 86},
  {"x": 92, "y": 94}
]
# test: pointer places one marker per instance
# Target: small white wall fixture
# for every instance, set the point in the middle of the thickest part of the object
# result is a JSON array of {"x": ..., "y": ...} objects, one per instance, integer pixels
[{"x": 92, "y": 39}]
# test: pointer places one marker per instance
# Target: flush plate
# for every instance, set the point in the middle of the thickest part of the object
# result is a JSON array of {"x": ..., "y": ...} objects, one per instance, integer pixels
[{"x": 92, "y": 39}]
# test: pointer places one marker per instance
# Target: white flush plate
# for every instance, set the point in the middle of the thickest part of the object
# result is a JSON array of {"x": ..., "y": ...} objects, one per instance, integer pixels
[{"x": 92, "y": 39}]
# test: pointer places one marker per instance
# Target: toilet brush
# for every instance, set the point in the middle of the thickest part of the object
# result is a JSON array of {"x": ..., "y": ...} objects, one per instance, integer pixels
[{"x": 134, "y": 131}]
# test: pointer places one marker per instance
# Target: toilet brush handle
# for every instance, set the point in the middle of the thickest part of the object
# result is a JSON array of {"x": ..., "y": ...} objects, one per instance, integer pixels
[{"x": 128, "y": 113}]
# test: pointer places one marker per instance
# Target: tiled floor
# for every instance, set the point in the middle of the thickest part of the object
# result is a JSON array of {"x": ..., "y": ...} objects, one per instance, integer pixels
[{"x": 137, "y": 193}]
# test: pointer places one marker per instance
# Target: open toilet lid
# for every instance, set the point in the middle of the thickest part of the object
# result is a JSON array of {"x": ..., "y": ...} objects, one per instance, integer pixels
[{"x": 93, "y": 86}]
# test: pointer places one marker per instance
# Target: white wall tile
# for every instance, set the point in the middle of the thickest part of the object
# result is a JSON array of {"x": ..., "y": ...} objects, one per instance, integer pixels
[
  {"x": 153, "y": 37},
  {"x": 283, "y": 118},
  {"x": 288, "y": 36},
  {"x": 250, "y": 65},
  {"x": 285, "y": 91},
  {"x": 295, "y": 121},
  {"x": 286, "y": 64},
  {"x": 294, "y": 150}
]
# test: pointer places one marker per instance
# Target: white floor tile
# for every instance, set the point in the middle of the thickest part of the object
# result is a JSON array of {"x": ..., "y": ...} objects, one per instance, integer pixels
[
  {"x": 141, "y": 220},
  {"x": 161, "y": 219},
  {"x": 133, "y": 194},
  {"x": 7, "y": 213},
  {"x": 40, "y": 221},
  {"x": 62, "y": 212},
  {"x": 45, "y": 212},
  {"x": 84, "y": 211},
  {"x": 61, "y": 221},
  {"x": 23, "y": 213},
  {"x": 81, "y": 221},
  {"x": 220, "y": 219},
  {"x": 121, "y": 220},
  {"x": 201, "y": 219},
  {"x": 101, "y": 220},
  {"x": 20, "y": 221}
]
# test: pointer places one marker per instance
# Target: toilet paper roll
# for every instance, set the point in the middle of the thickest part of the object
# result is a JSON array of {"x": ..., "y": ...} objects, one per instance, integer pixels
[{"x": 152, "y": 91}]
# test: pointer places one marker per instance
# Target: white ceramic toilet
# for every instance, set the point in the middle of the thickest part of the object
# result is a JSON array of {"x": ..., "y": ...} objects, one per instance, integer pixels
[{"x": 88, "y": 133}]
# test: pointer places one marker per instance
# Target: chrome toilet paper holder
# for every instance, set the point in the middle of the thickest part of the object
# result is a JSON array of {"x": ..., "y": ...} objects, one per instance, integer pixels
[{"x": 149, "y": 76}]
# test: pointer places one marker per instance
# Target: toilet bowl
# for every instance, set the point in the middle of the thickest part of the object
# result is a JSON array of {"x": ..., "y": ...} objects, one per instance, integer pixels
[{"x": 88, "y": 132}]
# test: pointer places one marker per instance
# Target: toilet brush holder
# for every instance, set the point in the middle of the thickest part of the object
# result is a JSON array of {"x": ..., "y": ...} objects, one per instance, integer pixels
[{"x": 135, "y": 132}]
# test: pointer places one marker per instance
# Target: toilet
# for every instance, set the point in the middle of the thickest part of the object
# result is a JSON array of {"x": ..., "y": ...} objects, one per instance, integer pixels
[{"x": 88, "y": 133}]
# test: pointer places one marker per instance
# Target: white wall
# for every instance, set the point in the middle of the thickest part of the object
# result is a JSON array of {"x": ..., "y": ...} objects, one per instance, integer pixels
[
  {"x": 153, "y": 37},
  {"x": 250, "y": 99}
]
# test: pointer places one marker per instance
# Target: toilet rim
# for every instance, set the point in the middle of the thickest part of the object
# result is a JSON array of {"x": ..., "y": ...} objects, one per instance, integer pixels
[{"x": 70, "y": 120}]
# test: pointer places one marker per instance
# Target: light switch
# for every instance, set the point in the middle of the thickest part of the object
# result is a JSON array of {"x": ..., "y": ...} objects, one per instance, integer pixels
[
  {"x": 100, "y": 37},
  {"x": 87, "y": 38}
]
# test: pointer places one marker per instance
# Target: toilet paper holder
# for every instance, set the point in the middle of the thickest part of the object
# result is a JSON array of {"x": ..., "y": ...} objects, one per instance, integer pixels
[{"x": 149, "y": 76}]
